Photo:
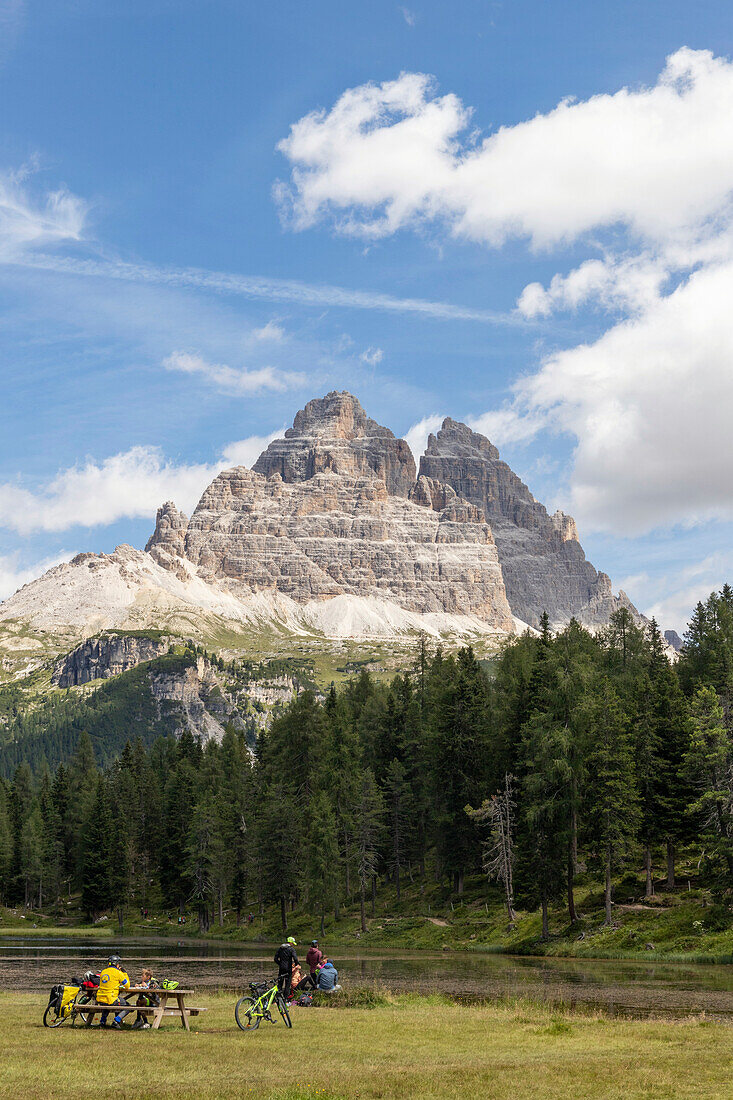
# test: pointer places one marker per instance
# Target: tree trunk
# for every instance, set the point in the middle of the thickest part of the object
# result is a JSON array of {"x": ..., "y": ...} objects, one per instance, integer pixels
[
  {"x": 670, "y": 864},
  {"x": 572, "y": 913},
  {"x": 283, "y": 913},
  {"x": 374, "y": 895},
  {"x": 397, "y": 879},
  {"x": 649, "y": 891},
  {"x": 361, "y": 905},
  {"x": 121, "y": 918},
  {"x": 574, "y": 836},
  {"x": 545, "y": 919},
  {"x": 203, "y": 918},
  {"x": 460, "y": 883},
  {"x": 607, "y": 889},
  {"x": 323, "y": 925},
  {"x": 337, "y": 907},
  {"x": 221, "y": 908}
]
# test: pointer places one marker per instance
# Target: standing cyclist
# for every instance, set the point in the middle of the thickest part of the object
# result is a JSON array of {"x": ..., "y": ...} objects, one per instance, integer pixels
[{"x": 286, "y": 958}]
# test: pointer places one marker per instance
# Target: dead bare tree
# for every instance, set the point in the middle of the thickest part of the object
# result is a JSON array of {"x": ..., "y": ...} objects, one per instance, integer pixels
[{"x": 496, "y": 816}]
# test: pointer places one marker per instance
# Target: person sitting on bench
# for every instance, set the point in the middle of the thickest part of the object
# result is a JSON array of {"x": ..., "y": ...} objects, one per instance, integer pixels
[{"x": 111, "y": 980}]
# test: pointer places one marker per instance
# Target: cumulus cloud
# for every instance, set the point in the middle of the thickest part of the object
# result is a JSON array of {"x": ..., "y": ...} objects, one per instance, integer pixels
[
  {"x": 417, "y": 437},
  {"x": 657, "y": 160},
  {"x": 27, "y": 222},
  {"x": 648, "y": 172},
  {"x": 233, "y": 380},
  {"x": 128, "y": 485}
]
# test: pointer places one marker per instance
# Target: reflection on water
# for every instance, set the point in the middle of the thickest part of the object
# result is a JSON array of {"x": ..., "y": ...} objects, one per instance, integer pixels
[{"x": 636, "y": 987}]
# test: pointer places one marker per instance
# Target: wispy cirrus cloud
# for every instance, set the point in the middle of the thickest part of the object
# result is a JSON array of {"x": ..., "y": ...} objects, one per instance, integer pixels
[
  {"x": 264, "y": 287},
  {"x": 29, "y": 221}
]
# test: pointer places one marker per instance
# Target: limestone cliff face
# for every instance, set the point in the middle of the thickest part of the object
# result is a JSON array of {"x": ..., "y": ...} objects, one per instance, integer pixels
[
  {"x": 339, "y": 534},
  {"x": 105, "y": 656},
  {"x": 333, "y": 433},
  {"x": 542, "y": 561}
]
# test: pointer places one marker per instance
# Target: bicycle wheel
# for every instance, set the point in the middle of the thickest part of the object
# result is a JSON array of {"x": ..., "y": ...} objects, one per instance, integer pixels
[
  {"x": 284, "y": 1011},
  {"x": 50, "y": 1019},
  {"x": 248, "y": 1019},
  {"x": 85, "y": 1017}
]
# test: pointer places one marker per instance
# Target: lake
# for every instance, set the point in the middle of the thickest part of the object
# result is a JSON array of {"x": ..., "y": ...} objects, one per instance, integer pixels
[{"x": 635, "y": 987}]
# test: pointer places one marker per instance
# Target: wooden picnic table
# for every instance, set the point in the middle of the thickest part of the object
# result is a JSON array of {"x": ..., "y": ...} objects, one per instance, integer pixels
[
  {"x": 157, "y": 1012},
  {"x": 163, "y": 1009}
]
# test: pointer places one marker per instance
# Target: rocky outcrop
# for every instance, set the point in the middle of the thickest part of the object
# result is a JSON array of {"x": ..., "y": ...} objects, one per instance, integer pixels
[
  {"x": 105, "y": 656},
  {"x": 542, "y": 561},
  {"x": 192, "y": 698},
  {"x": 673, "y": 640},
  {"x": 334, "y": 434},
  {"x": 338, "y": 534}
]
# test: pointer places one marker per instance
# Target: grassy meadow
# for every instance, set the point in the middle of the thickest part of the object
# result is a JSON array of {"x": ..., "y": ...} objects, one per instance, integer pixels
[{"x": 403, "y": 1047}]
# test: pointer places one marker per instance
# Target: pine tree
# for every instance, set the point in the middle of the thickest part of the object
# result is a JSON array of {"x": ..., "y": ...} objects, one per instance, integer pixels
[
  {"x": 98, "y": 880},
  {"x": 367, "y": 830},
  {"x": 612, "y": 800},
  {"x": 708, "y": 765}
]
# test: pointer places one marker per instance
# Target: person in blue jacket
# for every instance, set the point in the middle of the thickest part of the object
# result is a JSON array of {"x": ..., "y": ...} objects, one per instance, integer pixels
[{"x": 328, "y": 977}]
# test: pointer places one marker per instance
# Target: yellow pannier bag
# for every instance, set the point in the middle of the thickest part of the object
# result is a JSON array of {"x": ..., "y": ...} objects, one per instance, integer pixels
[{"x": 67, "y": 999}]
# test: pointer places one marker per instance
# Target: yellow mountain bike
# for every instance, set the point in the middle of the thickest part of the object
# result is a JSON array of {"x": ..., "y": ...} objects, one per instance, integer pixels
[{"x": 249, "y": 1011}]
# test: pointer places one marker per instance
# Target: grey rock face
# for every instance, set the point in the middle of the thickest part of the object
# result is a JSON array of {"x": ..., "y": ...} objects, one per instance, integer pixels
[
  {"x": 673, "y": 639},
  {"x": 336, "y": 534},
  {"x": 105, "y": 656},
  {"x": 333, "y": 433},
  {"x": 542, "y": 561}
]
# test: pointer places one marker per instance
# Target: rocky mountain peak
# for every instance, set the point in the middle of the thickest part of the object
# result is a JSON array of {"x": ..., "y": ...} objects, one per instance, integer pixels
[
  {"x": 334, "y": 434},
  {"x": 542, "y": 561}
]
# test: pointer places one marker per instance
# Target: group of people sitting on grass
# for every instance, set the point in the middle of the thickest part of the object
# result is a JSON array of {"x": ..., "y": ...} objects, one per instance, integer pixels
[
  {"x": 322, "y": 974},
  {"x": 112, "y": 982}
]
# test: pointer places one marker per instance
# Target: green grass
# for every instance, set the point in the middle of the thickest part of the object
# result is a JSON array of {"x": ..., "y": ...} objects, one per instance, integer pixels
[{"x": 406, "y": 1048}]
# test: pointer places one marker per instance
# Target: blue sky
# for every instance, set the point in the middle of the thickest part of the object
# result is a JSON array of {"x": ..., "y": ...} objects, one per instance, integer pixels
[{"x": 213, "y": 211}]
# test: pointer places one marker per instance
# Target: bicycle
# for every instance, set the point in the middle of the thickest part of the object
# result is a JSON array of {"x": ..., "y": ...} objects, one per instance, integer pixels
[
  {"x": 248, "y": 1011},
  {"x": 62, "y": 1010}
]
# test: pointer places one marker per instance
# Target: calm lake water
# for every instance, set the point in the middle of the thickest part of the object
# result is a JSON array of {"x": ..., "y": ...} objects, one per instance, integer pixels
[{"x": 629, "y": 988}]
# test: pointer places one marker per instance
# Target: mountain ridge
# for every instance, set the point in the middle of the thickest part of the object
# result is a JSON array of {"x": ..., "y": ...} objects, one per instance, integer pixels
[{"x": 334, "y": 531}]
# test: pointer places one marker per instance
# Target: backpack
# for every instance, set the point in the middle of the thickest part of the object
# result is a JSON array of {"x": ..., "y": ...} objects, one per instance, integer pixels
[
  {"x": 168, "y": 983},
  {"x": 304, "y": 1001},
  {"x": 61, "y": 998}
]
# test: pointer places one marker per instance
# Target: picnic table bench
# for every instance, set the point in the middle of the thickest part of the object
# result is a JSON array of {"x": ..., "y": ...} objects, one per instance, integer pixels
[{"x": 157, "y": 1012}]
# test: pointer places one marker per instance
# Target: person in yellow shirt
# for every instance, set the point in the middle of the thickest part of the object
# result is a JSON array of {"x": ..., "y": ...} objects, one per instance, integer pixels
[{"x": 112, "y": 979}]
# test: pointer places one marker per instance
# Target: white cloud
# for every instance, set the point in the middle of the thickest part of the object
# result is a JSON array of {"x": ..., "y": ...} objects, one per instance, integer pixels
[
  {"x": 128, "y": 485},
  {"x": 671, "y": 595},
  {"x": 13, "y": 576},
  {"x": 26, "y": 222},
  {"x": 409, "y": 16},
  {"x": 255, "y": 286},
  {"x": 270, "y": 331},
  {"x": 650, "y": 401},
  {"x": 372, "y": 356},
  {"x": 417, "y": 436},
  {"x": 245, "y": 452},
  {"x": 231, "y": 380},
  {"x": 658, "y": 161},
  {"x": 650, "y": 404}
]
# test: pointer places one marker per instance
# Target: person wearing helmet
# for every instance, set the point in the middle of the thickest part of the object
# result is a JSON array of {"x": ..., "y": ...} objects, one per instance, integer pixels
[
  {"x": 286, "y": 958},
  {"x": 112, "y": 979},
  {"x": 314, "y": 958}
]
